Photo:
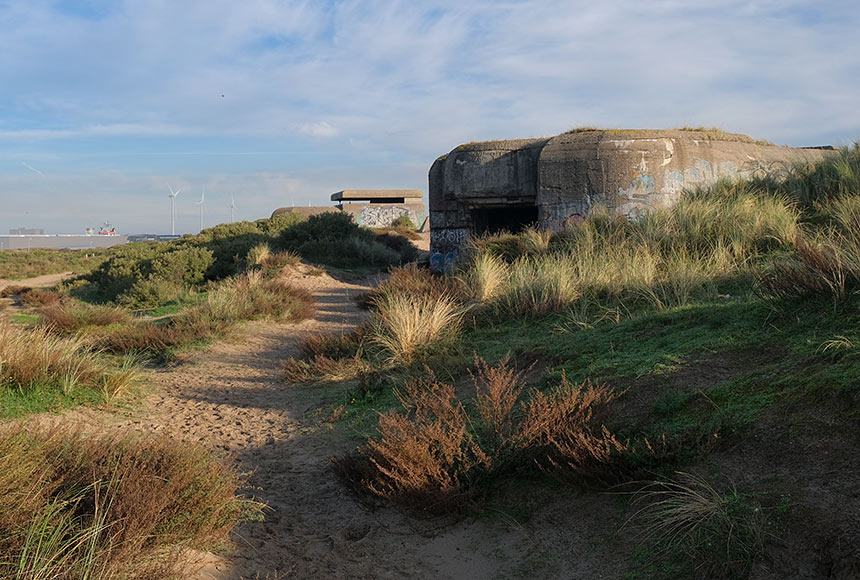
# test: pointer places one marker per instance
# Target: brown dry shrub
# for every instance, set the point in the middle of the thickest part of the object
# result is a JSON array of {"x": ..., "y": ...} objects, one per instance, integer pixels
[
  {"x": 323, "y": 368},
  {"x": 139, "y": 498},
  {"x": 149, "y": 338},
  {"x": 12, "y": 290},
  {"x": 498, "y": 390},
  {"x": 813, "y": 270},
  {"x": 333, "y": 345},
  {"x": 39, "y": 297},
  {"x": 561, "y": 429},
  {"x": 431, "y": 456},
  {"x": 63, "y": 318},
  {"x": 426, "y": 458}
]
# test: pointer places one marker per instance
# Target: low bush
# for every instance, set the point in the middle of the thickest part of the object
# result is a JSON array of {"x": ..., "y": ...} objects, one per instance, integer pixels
[
  {"x": 425, "y": 458},
  {"x": 12, "y": 290},
  {"x": 21, "y": 264},
  {"x": 400, "y": 244},
  {"x": 437, "y": 453},
  {"x": 76, "y": 504},
  {"x": 38, "y": 297},
  {"x": 560, "y": 429},
  {"x": 403, "y": 222}
]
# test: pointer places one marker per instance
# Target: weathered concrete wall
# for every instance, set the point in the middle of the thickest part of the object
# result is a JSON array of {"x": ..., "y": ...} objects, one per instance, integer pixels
[
  {"x": 372, "y": 215},
  {"x": 632, "y": 172},
  {"x": 628, "y": 171}
]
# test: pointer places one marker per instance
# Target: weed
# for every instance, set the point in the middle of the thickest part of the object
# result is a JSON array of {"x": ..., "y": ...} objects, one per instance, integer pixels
[{"x": 718, "y": 531}]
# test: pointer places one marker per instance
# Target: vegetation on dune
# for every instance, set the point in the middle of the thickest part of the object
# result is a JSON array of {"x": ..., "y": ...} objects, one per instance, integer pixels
[
  {"x": 667, "y": 339},
  {"x": 147, "y": 275},
  {"x": 38, "y": 369},
  {"x": 20, "y": 264},
  {"x": 76, "y": 504}
]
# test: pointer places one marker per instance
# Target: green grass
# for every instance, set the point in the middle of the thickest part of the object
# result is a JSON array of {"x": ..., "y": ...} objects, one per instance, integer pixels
[
  {"x": 176, "y": 305},
  {"x": 25, "y": 318},
  {"x": 16, "y": 402}
]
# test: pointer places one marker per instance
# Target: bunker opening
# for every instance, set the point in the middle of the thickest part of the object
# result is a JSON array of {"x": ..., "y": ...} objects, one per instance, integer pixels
[{"x": 510, "y": 218}]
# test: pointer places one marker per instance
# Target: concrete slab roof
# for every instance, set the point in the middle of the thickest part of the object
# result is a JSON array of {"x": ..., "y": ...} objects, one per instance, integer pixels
[{"x": 367, "y": 194}]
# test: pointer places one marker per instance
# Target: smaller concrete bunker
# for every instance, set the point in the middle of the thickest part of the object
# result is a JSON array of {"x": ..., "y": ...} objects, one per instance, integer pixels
[
  {"x": 488, "y": 187},
  {"x": 373, "y": 208}
]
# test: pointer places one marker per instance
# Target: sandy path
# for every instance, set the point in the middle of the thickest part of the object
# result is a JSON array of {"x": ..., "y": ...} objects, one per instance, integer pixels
[
  {"x": 37, "y": 282},
  {"x": 232, "y": 398}
]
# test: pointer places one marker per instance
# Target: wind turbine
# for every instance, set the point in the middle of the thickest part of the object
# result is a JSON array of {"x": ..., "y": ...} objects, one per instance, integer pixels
[
  {"x": 172, "y": 197},
  {"x": 202, "y": 205},
  {"x": 232, "y": 209}
]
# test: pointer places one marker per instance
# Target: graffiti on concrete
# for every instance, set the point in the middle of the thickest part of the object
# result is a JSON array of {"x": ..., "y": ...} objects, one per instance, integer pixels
[
  {"x": 380, "y": 217},
  {"x": 448, "y": 239}
]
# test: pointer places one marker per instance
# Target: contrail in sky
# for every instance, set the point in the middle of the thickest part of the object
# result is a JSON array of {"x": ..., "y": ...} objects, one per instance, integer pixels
[{"x": 33, "y": 169}]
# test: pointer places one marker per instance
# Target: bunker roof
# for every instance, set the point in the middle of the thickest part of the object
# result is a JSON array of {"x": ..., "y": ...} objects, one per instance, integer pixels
[{"x": 371, "y": 194}]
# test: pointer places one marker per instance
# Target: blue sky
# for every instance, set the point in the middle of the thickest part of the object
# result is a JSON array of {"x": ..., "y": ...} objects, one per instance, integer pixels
[{"x": 103, "y": 103}]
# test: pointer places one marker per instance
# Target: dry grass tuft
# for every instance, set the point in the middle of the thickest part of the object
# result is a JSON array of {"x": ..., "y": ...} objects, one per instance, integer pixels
[
  {"x": 484, "y": 276},
  {"x": 816, "y": 269},
  {"x": 409, "y": 327},
  {"x": 720, "y": 532},
  {"x": 33, "y": 358}
]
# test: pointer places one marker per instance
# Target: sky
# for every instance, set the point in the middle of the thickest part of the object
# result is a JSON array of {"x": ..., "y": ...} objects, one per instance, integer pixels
[{"x": 284, "y": 102}]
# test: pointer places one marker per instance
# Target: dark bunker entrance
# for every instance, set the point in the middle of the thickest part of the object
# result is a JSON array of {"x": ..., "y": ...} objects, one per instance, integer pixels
[{"x": 513, "y": 219}]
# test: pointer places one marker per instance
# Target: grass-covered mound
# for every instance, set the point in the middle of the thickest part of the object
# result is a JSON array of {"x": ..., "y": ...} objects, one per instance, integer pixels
[{"x": 147, "y": 275}]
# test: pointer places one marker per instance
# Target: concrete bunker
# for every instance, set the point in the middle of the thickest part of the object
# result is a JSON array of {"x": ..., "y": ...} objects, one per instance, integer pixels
[
  {"x": 486, "y": 187},
  {"x": 374, "y": 208}
]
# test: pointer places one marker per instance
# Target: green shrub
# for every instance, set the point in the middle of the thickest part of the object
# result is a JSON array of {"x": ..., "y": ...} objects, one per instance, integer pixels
[{"x": 403, "y": 222}]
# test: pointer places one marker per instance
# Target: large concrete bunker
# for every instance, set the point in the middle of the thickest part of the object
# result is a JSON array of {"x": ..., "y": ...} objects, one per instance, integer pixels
[{"x": 487, "y": 187}]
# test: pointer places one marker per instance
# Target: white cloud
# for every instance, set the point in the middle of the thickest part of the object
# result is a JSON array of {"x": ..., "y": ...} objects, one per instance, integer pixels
[{"x": 321, "y": 129}]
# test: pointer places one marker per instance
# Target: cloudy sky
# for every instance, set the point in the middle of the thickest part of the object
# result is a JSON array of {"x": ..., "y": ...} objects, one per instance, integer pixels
[{"x": 281, "y": 102}]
